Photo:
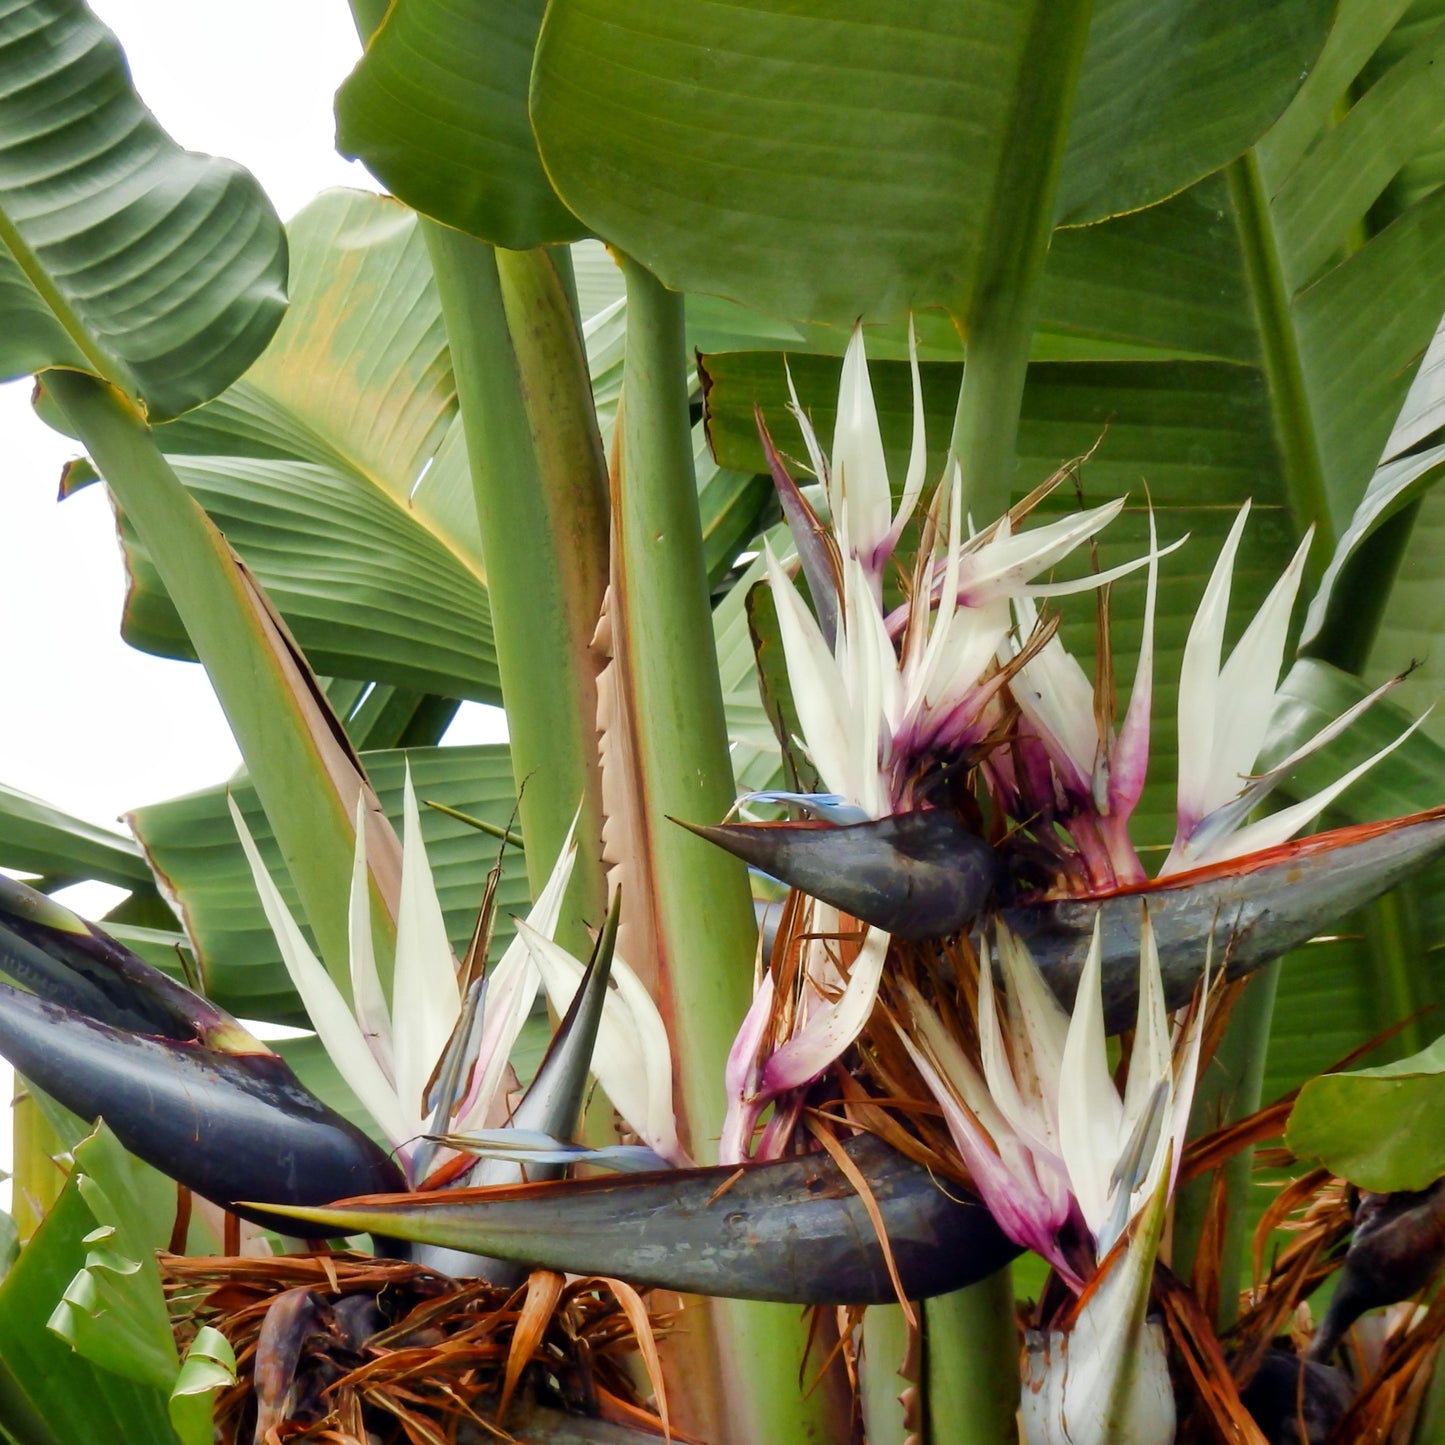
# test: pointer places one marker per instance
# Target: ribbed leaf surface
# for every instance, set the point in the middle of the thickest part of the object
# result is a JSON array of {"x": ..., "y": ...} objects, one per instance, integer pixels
[
  {"x": 437, "y": 109},
  {"x": 162, "y": 271},
  {"x": 821, "y": 161},
  {"x": 192, "y": 845}
]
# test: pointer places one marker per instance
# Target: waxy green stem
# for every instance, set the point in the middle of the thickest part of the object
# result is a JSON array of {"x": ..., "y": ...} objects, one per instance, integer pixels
[
  {"x": 1289, "y": 401},
  {"x": 706, "y": 931},
  {"x": 970, "y": 1337},
  {"x": 702, "y": 911},
  {"x": 281, "y": 723},
  {"x": 971, "y": 1364},
  {"x": 999, "y": 324},
  {"x": 540, "y": 487},
  {"x": 885, "y": 1347}
]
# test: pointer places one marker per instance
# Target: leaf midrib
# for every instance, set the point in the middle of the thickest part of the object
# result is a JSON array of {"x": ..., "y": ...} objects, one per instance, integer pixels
[{"x": 107, "y": 366}]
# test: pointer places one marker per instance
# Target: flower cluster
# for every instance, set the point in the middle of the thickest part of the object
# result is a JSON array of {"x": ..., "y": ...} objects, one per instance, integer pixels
[
  {"x": 964, "y": 677},
  {"x": 962, "y": 698},
  {"x": 435, "y": 1062}
]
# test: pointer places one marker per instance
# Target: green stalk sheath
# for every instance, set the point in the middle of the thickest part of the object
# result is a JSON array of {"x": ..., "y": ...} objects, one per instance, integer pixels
[
  {"x": 999, "y": 325},
  {"x": 1394, "y": 942},
  {"x": 970, "y": 1340},
  {"x": 1293, "y": 419},
  {"x": 702, "y": 912},
  {"x": 706, "y": 931},
  {"x": 540, "y": 487},
  {"x": 278, "y": 722},
  {"x": 971, "y": 1364}
]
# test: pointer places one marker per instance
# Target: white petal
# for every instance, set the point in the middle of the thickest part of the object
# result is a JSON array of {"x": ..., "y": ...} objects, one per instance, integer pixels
[
  {"x": 1129, "y": 761},
  {"x": 1198, "y": 684},
  {"x": 1041, "y": 1016},
  {"x": 1151, "y": 1058},
  {"x": 1107, "y": 1379},
  {"x": 1055, "y": 694},
  {"x": 1000, "y": 565},
  {"x": 824, "y": 710},
  {"x": 548, "y": 907},
  {"x": 860, "y": 470},
  {"x": 810, "y": 437},
  {"x": 1149, "y": 1102},
  {"x": 512, "y": 984},
  {"x": 656, "y": 1054},
  {"x": 740, "y": 1077},
  {"x": 871, "y": 678},
  {"x": 366, "y": 993},
  {"x": 425, "y": 1001},
  {"x": 1282, "y": 826},
  {"x": 1092, "y": 581},
  {"x": 324, "y": 1004},
  {"x": 918, "y": 454},
  {"x": 1090, "y": 1114},
  {"x": 620, "y": 1060},
  {"x": 1247, "y": 684},
  {"x": 1186, "y": 1074},
  {"x": 1026, "y": 1196},
  {"x": 1223, "y": 821},
  {"x": 833, "y": 1027}
]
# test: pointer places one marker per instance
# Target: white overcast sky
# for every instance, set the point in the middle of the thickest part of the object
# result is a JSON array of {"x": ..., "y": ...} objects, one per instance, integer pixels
[{"x": 87, "y": 723}]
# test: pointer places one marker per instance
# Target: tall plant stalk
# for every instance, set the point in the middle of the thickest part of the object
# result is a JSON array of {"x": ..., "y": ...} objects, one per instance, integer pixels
[
  {"x": 304, "y": 770},
  {"x": 699, "y": 907},
  {"x": 540, "y": 489},
  {"x": 999, "y": 325},
  {"x": 978, "y": 1324}
]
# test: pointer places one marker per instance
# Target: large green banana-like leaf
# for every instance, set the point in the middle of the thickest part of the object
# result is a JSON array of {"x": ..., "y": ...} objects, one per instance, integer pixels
[
  {"x": 1412, "y": 608},
  {"x": 437, "y": 109},
  {"x": 821, "y": 161},
  {"x": 120, "y": 254},
  {"x": 1302, "y": 414},
  {"x": 336, "y": 468},
  {"x": 192, "y": 845},
  {"x": 51, "y": 1395},
  {"x": 1164, "y": 283},
  {"x": 367, "y": 591},
  {"x": 161, "y": 274},
  {"x": 38, "y": 838}
]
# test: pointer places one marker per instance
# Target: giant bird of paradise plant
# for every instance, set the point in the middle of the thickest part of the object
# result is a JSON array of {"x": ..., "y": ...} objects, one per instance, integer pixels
[{"x": 1187, "y": 243}]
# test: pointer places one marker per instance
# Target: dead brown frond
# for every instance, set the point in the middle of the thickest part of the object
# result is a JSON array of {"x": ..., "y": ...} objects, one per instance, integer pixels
[
  {"x": 1316, "y": 1213},
  {"x": 349, "y": 1349},
  {"x": 1217, "y": 1408}
]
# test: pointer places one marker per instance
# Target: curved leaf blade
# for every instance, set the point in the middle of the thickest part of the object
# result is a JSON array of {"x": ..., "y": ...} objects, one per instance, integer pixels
[
  {"x": 817, "y": 162},
  {"x": 38, "y": 838},
  {"x": 1337, "y": 1120},
  {"x": 1171, "y": 92},
  {"x": 437, "y": 111},
  {"x": 120, "y": 253}
]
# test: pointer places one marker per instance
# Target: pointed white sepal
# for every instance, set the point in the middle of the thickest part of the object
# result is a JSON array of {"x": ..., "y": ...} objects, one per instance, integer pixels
[
  {"x": 424, "y": 994},
  {"x": 325, "y": 1007},
  {"x": 1107, "y": 1378}
]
